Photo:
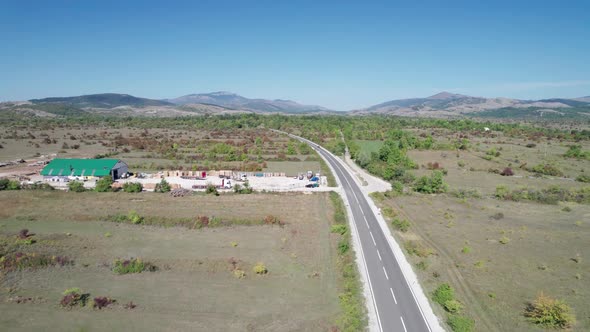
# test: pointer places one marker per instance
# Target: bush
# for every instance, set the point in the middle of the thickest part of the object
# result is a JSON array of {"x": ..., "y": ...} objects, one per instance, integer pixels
[
  {"x": 401, "y": 224},
  {"x": 414, "y": 248},
  {"x": 102, "y": 302},
  {"x": 443, "y": 293},
  {"x": 133, "y": 265},
  {"x": 431, "y": 185},
  {"x": 163, "y": 187},
  {"x": 583, "y": 178},
  {"x": 6, "y": 184},
  {"x": 546, "y": 169},
  {"x": 260, "y": 268},
  {"x": 134, "y": 217},
  {"x": 548, "y": 312},
  {"x": 460, "y": 323},
  {"x": 104, "y": 184},
  {"x": 343, "y": 247},
  {"x": 575, "y": 151},
  {"x": 73, "y": 297},
  {"x": 211, "y": 189},
  {"x": 507, "y": 172},
  {"x": 453, "y": 306},
  {"x": 76, "y": 186},
  {"x": 339, "y": 229},
  {"x": 245, "y": 189},
  {"x": 504, "y": 240},
  {"x": 272, "y": 220},
  {"x": 132, "y": 187}
]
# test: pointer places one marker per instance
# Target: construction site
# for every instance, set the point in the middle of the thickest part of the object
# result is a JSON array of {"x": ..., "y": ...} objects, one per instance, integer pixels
[{"x": 59, "y": 172}]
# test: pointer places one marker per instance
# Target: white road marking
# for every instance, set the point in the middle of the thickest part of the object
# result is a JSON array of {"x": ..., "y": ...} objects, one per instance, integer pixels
[
  {"x": 403, "y": 324},
  {"x": 375, "y": 243},
  {"x": 386, "y": 276},
  {"x": 394, "y": 299},
  {"x": 378, "y": 254},
  {"x": 366, "y": 222}
]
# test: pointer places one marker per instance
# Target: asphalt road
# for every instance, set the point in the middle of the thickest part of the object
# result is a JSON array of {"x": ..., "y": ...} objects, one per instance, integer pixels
[{"x": 394, "y": 302}]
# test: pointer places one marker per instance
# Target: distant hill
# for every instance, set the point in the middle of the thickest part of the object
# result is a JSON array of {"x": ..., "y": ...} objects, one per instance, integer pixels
[
  {"x": 103, "y": 100},
  {"x": 447, "y": 104},
  {"x": 237, "y": 102}
]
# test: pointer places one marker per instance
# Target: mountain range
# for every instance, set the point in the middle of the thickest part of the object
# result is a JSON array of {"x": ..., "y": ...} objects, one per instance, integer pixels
[
  {"x": 234, "y": 101},
  {"x": 442, "y": 104}
]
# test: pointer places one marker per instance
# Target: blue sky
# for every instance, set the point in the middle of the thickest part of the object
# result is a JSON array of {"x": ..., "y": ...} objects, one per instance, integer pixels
[{"x": 341, "y": 54}]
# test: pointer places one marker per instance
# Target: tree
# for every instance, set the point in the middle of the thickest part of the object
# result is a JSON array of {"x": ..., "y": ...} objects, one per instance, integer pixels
[
  {"x": 162, "y": 187},
  {"x": 104, "y": 184}
]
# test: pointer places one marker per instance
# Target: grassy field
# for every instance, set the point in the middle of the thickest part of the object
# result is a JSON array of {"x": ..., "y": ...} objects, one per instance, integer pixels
[
  {"x": 195, "y": 286},
  {"x": 498, "y": 255}
]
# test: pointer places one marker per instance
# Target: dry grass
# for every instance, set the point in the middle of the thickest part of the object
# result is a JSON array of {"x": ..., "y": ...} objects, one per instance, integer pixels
[{"x": 195, "y": 287}]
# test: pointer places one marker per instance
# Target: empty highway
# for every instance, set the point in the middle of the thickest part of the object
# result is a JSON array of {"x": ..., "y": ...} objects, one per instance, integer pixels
[{"x": 394, "y": 302}]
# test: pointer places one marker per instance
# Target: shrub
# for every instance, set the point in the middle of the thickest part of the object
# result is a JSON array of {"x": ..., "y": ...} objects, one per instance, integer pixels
[
  {"x": 134, "y": 217},
  {"x": 431, "y": 185},
  {"x": 531, "y": 145},
  {"x": 501, "y": 192},
  {"x": 548, "y": 312},
  {"x": 73, "y": 297},
  {"x": 460, "y": 323},
  {"x": 453, "y": 306},
  {"x": 339, "y": 229},
  {"x": 504, "y": 240},
  {"x": 414, "y": 248},
  {"x": 466, "y": 193},
  {"x": 240, "y": 274},
  {"x": 76, "y": 186},
  {"x": 102, "y": 302},
  {"x": 343, "y": 247},
  {"x": 497, "y": 216},
  {"x": 20, "y": 261},
  {"x": 575, "y": 151},
  {"x": 401, "y": 224},
  {"x": 422, "y": 265},
  {"x": 211, "y": 189},
  {"x": 133, "y": 265},
  {"x": 6, "y": 184},
  {"x": 507, "y": 172},
  {"x": 272, "y": 220},
  {"x": 260, "y": 268},
  {"x": 163, "y": 187},
  {"x": 466, "y": 249},
  {"x": 583, "y": 178},
  {"x": 245, "y": 189},
  {"x": 443, "y": 293},
  {"x": 547, "y": 169},
  {"x": 104, "y": 184},
  {"x": 202, "y": 221},
  {"x": 132, "y": 187}
]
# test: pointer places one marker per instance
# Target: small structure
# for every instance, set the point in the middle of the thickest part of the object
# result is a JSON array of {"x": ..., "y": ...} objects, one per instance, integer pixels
[{"x": 84, "y": 168}]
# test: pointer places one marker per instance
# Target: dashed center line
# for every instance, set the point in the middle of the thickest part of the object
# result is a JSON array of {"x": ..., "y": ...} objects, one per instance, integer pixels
[
  {"x": 386, "y": 276},
  {"x": 403, "y": 324},
  {"x": 375, "y": 243},
  {"x": 393, "y": 295},
  {"x": 379, "y": 254}
]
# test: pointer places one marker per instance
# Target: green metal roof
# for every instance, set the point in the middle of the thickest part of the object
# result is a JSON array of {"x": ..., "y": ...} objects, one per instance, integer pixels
[{"x": 79, "y": 167}]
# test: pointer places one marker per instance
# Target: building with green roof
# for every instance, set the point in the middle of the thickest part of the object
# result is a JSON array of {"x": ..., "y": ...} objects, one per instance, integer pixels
[{"x": 85, "y": 168}]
